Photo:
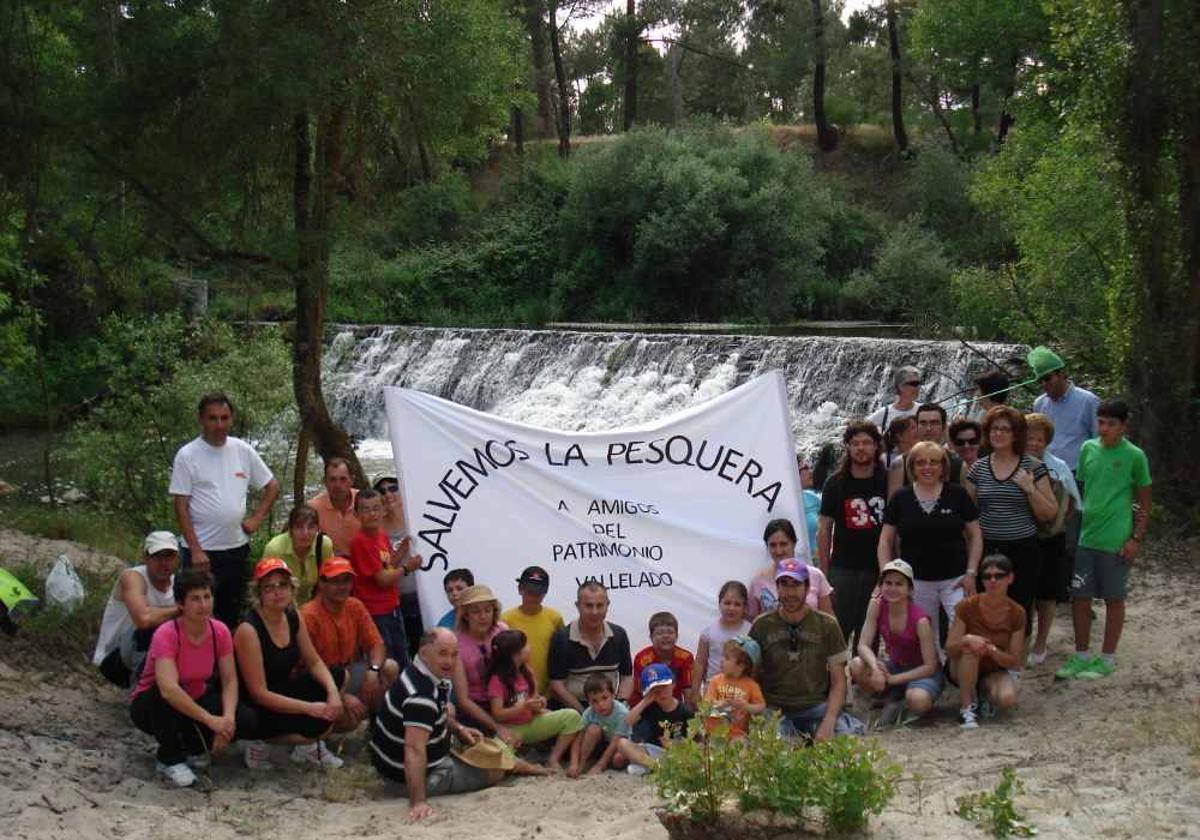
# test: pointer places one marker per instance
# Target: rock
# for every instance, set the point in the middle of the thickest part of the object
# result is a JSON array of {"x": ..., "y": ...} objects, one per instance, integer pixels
[
  {"x": 7, "y": 489},
  {"x": 73, "y": 496}
]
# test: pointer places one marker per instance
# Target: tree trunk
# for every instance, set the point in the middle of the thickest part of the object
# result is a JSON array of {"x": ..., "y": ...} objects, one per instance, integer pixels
[
  {"x": 313, "y": 199},
  {"x": 631, "y": 69},
  {"x": 893, "y": 28},
  {"x": 1158, "y": 142},
  {"x": 675, "y": 57},
  {"x": 518, "y": 129},
  {"x": 1006, "y": 117},
  {"x": 560, "y": 79},
  {"x": 534, "y": 25},
  {"x": 826, "y": 134},
  {"x": 300, "y": 471},
  {"x": 976, "y": 117}
]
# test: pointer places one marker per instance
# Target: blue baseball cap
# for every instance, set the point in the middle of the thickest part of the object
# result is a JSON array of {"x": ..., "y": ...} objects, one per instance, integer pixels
[
  {"x": 656, "y": 674},
  {"x": 750, "y": 647},
  {"x": 792, "y": 568}
]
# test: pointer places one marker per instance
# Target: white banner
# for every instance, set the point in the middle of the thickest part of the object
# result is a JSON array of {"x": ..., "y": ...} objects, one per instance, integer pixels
[{"x": 662, "y": 514}]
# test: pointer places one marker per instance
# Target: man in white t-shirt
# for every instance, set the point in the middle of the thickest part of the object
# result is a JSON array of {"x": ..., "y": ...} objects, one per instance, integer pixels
[{"x": 209, "y": 482}]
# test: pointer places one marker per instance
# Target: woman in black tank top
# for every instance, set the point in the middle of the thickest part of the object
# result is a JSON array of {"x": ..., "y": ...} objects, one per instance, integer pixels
[{"x": 289, "y": 695}]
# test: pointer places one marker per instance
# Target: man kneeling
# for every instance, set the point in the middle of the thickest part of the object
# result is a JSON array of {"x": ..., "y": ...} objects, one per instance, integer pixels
[
  {"x": 345, "y": 637},
  {"x": 411, "y": 739}
]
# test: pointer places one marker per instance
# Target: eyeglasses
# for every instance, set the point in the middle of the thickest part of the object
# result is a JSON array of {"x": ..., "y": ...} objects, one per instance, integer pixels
[
  {"x": 1006, "y": 429},
  {"x": 966, "y": 441},
  {"x": 994, "y": 576}
]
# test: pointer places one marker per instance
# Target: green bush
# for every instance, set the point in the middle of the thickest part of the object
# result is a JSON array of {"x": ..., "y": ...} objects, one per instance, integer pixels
[
  {"x": 994, "y": 811},
  {"x": 843, "y": 780},
  {"x": 694, "y": 224},
  {"x": 907, "y": 280}
]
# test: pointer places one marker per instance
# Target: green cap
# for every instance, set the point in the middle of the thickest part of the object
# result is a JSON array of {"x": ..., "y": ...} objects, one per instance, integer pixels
[{"x": 1042, "y": 360}]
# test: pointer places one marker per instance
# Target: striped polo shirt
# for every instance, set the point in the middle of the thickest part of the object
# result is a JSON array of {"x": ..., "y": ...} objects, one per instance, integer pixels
[{"x": 416, "y": 699}]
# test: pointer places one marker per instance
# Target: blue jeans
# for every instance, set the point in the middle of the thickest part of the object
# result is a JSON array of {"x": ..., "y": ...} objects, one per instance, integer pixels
[
  {"x": 391, "y": 627},
  {"x": 797, "y": 722}
]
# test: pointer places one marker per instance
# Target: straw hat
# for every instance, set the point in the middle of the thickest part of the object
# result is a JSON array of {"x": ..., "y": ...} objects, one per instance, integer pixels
[
  {"x": 477, "y": 594},
  {"x": 486, "y": 754}
]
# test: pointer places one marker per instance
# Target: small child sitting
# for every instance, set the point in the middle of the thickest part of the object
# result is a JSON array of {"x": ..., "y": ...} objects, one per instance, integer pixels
[
  {"x": 659, "y": 717},
  {"x": 733, "y": 693},
  {"x": 604, "y": 721}
]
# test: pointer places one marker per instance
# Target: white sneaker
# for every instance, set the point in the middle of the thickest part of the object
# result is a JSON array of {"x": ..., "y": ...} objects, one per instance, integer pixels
[
  {"x": 967, "y": 719},
  {"x": 317, "y": 755},
  {"x": 200, "y": 761},
  {"x": 177, "y": 775},
  {"x": 256, "y": 754},
  {"x": 1034, "y": 659}
]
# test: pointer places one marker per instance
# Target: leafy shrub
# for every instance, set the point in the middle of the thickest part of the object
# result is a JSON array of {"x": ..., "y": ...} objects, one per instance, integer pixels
[
  {"x": 995, "y": 811},
  {"x": 908, "y": 278},
  {"x": 843, "y": 780}
]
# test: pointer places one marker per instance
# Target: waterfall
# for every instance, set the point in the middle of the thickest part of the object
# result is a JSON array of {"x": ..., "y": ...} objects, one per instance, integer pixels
[{"x": 599, "y": 380}]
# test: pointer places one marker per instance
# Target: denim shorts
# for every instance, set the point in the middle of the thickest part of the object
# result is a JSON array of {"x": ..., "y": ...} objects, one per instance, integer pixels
[{"x": 930, "y": 685}]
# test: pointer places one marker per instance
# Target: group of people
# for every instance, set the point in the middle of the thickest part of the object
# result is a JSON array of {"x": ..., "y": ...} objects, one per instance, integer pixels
[{"x": 933, "y": 555}]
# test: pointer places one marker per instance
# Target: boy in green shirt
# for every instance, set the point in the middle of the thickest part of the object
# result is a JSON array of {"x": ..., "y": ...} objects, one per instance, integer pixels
[{"x": 1113, "y": 475}]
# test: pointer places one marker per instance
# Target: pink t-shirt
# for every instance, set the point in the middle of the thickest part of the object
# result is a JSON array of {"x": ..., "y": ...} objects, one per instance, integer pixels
[
  {"x": 474, "y": 656},
  {"x": 499, "y": 690},
  {"x": 194, "y": 661},
  {"x": 764, "y": 597}
]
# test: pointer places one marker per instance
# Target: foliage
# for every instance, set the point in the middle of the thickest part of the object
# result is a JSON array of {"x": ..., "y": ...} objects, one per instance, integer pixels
[
  {"x": 154, "y": 370},
  {"x": 688, "y": 225},
  {"x": 843, "y": 780},
  {"x": 995, "y": 810},
  {"x": 907, "y": 280}
]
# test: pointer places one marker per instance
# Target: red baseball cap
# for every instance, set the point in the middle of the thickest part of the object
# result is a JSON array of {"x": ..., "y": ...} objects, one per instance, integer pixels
[
  {"x": 335, "y": 567},
  {"x": 270, "y": 564}
]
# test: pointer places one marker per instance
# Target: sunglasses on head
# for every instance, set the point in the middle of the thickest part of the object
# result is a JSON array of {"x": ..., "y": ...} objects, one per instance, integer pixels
[{"x": 966, "y": 441}]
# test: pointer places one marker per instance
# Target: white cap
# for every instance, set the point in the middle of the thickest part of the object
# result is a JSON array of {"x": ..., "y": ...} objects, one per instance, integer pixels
[
  {"x": 157, "y": 541},
  {"x": 900, "y": 566}
]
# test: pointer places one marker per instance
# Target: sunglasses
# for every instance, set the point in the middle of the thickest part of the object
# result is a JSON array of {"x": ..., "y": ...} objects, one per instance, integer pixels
[
  {"x": 913, "y": 384},
  {"x": 966, "y": 441},
  {"x": 1046, "y": 378},
  {"x": 994, "y": 576},
  {"x": 793, "y": 638},
  {"x": 390, "y": 488}
]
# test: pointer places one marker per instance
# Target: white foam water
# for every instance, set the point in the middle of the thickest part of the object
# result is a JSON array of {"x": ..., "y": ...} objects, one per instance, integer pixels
[{"x": 589, "y": 381}]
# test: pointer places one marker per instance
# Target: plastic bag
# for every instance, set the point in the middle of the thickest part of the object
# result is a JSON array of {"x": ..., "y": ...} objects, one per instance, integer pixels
[{"x": 63, "y": 586}]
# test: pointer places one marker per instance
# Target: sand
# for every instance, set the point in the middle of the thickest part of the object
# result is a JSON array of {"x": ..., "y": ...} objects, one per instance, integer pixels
[{"x": 1117, "y": 758}]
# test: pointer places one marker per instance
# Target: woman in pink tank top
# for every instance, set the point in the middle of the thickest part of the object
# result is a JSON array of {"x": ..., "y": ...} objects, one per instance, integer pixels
[{"x": 907, "y": 673}]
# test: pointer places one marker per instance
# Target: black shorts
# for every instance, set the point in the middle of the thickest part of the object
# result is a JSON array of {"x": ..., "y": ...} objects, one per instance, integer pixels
[{"x": 1054, "y": 577}]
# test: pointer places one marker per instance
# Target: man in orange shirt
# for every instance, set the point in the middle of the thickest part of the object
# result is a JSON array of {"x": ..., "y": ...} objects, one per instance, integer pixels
[
  {"x": 335, "y": 505},
  {"x": 345, "y": 636}
]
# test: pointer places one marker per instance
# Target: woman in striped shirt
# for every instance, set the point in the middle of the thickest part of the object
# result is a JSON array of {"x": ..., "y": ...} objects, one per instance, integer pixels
[{"x": 1013, "y": 493}]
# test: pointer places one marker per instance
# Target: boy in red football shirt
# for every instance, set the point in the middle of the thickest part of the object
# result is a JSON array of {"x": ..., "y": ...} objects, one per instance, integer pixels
[
  {"x": 664, "y": 632},
  {"x": 378, "y": 568}
]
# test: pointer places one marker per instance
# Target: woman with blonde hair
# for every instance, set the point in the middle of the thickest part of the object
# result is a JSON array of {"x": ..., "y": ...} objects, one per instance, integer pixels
[
  {"x": 477, "y": 622},
  {"x": 938, "y": 525}
]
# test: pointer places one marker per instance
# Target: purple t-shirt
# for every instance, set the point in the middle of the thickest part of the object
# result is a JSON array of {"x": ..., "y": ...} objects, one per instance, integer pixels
[{"x": 194, "y": 661}]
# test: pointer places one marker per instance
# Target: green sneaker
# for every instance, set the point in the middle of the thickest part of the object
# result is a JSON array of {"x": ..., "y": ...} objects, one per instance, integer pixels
[
  {"x": 1073, "y": 667},
  {"x": 1097, "y": 669}
]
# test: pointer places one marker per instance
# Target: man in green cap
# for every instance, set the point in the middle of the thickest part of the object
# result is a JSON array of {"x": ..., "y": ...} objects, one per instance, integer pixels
[{"x": 1073, "y": 409}]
